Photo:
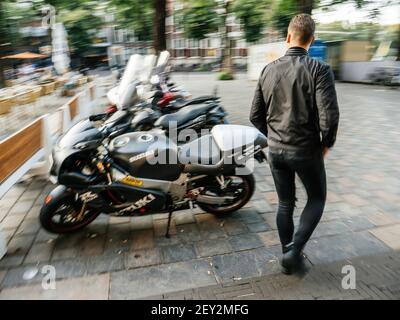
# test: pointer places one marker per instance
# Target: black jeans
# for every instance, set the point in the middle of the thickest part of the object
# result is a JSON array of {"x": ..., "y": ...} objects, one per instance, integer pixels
[{"x": 309, "y": 166}]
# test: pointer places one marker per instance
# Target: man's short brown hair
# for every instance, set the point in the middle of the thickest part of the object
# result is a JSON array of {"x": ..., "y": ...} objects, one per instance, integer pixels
[{"x": 302, "y": 26}]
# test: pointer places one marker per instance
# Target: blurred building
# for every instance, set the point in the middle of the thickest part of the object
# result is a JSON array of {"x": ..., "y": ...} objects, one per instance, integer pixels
[{"x": 190, "y": 53}]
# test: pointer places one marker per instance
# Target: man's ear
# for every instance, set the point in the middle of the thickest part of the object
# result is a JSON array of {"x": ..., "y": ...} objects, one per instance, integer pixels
[{"x": 288, "y": 38}]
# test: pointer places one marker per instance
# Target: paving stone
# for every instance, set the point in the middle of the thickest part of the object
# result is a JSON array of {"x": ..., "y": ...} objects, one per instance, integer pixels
[
  {"x": 343, "y": 246},
  {"x": 44, "y": 236},
  {"x": 39, "y": 252},
  {"x": 65, "y": 253},
  {"x": 70, "y": 268},
  {"x": 92, "y": 246},
  {"x": 382, "y": 218},
  {"x": 265, "y": 186},
  {"x": 272, "y": 196},
  {"x": 21, "y": 207},
  {"x": 208, "y": 248},
  {"x": 160, "y": 227},
  {"x": 155, "y": 280},
  {"x": 142, "y": 222},
  {"x": 11, "y": 222},
  {"x": 329, "y": 228},
  {"x": 184, "y": 217},
  {"x": 28, "y": 226},
  {"x": 8, "y": 234},
  {"x": 269, "y": 238},
  {"x": 234, "y": 227},
  {"x": 354, "y": 199},
  {"x": 3, "y": 214},
  {"x": 333, "y": 197},
  {"x": 270, "y": 219},
  {"x": 143, "y": 258},
  {"x": 104, "y": 263},
  {"x": 97, "y": 228},
  {"x": 358, "y": 223},
  {"x": 250, "y": 216},
  {"x": 262, "y": 206},
  {"x": 2, "y": 275},
  {"x": 206, "y": 218},
  {"x": 142, "y": 239},
  {"x": 34, "y": 212},
  {"x": 188, "y": 233},
  {"x": 87, "y": 288},
  {"x": 245, "y": 241},
  {"x": 246, "y": 264},
  {"x": 210, "y": 227},
  {"x": 390, "y": 235},
  {"x": 179, "y": 252},
  {"x": 30, "y": 194},
  {"x": 16, "y": 191},
  {"x": 116, "y": 220},
  {"x": 19, "y": 245},
  {"x": 164, "y": 241},
  {"x": 6, "y": 203},
  {"x": 258, "y": 227}
]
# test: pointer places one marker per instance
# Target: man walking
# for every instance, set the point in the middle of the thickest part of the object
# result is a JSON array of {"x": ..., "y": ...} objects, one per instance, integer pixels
[{"x": 295, "y": 106}]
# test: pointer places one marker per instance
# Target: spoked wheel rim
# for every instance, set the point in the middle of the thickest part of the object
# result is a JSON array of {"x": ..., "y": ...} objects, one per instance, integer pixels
[
  {"x": 237, "y": 187},
  {"x": 71, "y": 216}
]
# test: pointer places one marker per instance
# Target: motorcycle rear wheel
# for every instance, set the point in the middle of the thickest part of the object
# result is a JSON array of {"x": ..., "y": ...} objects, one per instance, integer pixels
[
  {"x": 66, "y": 215},
  {"x": 247, "y": 187}
]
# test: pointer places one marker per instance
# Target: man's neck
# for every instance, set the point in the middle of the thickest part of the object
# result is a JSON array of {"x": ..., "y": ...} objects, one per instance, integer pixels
[{"x": 299, "y": 46}]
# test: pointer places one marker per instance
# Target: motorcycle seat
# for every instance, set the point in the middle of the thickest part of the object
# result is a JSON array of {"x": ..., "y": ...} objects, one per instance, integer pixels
[
  {"x": 184, "y": 115},
  {"x": 177, "y": 104},
  {"x": 203, "y": 151}
]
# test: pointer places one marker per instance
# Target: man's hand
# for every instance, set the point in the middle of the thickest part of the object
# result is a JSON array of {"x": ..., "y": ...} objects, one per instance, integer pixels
[{"x": 325, "y": 151}]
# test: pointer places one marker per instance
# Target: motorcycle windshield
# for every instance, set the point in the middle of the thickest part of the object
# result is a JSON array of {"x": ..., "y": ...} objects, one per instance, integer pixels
[{"x": 80, "y": 132}]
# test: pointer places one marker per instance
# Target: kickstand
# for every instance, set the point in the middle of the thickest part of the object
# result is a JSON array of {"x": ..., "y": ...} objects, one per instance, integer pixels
[{"x": 169, "y": 222}]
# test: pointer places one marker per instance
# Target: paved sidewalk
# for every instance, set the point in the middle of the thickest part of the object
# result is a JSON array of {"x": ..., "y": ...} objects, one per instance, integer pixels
[
  {"x": 129, "y": 258},
  {"x": 376, "y": 277}
]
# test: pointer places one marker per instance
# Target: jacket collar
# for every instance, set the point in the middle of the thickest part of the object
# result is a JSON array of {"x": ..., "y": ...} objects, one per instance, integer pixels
[{"x": 296, "y": 51}]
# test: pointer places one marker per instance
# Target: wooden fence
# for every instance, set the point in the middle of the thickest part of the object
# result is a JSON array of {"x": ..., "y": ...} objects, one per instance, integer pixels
[{"x": 30, "y": 147}]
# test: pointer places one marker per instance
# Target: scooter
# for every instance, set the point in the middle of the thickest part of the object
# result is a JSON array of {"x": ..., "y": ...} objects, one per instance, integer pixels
[
  {"x": 139, "y": 173},
  {"x": 142, "y": 72}
]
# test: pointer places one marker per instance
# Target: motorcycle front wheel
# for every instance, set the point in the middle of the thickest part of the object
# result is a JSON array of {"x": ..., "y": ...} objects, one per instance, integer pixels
[
  {"x": 239, "y": 188},
  {"x": 66, "y": 215}
]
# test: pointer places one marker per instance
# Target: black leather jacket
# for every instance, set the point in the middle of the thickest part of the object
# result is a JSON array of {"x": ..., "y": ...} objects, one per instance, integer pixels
[{"x": 295, "y": 102}]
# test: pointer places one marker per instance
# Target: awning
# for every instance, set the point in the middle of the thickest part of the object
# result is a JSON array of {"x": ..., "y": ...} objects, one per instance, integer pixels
[{"x": 26, "y": 55}]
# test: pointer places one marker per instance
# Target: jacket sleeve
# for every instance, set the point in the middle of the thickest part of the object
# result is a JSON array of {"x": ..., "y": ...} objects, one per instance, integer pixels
[
  {"x": 258, "y": 113},
  {"x": 327, "y": 105}
]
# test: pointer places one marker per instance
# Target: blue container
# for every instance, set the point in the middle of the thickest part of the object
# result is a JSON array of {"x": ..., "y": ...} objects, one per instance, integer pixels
[{"x": 318, "y": 50}]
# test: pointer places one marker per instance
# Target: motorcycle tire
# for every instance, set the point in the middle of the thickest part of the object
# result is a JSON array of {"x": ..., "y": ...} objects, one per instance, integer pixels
[
  {"x": 68, "y": 203},
  {"x": 221, "y": 210}
]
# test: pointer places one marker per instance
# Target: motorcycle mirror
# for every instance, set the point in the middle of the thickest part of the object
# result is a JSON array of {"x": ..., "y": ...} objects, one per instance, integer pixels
[{"x": 155, "y": 79}]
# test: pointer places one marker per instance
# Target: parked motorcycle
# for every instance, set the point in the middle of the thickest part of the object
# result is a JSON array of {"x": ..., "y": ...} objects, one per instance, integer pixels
[
  {"x": 138, "y": 173},
  {"x": 141, "y": 71}
]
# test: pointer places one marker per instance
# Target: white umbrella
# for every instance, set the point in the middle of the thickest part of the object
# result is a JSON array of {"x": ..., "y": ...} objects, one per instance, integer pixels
[{"x": 60, "y": 55}]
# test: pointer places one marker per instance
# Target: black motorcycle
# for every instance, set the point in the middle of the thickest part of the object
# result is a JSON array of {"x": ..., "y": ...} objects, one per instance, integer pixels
[{"x": 138, "y": 173}]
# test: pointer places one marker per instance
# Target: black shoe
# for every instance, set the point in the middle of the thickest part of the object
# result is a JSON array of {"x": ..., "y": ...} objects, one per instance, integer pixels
[{"x": 292, "y": 261}]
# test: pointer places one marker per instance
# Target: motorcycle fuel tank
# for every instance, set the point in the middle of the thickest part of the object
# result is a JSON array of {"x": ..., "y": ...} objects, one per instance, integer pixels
[{"x": 147, "y": 154}]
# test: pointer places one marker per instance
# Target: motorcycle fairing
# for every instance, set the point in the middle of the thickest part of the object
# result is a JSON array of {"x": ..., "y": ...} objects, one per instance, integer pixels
[{"x": 131, "y": 199}]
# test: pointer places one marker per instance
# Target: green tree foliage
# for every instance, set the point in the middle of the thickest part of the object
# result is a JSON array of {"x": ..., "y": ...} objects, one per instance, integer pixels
[
  {"x": 12, "y": 17},
  {"x": 81, "y": 25},
  {"x": 253, "y": 16},
  {"x": 200, "y": 18},
  {"x": 135, "y": 15},
  {"x": 283, "y": 11},
  {"x": 80, "y": 20}
]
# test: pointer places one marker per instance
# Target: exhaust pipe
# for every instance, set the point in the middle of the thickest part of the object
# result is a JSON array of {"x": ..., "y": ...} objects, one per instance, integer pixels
[{"x": 213, "y": 200}]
